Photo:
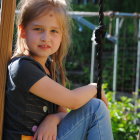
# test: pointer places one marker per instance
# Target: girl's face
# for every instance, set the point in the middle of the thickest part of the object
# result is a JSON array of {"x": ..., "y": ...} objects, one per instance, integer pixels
[{"x": 43, "y": 35}]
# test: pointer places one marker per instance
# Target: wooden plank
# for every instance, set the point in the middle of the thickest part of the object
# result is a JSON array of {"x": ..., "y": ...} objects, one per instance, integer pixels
[{"x": 6, "y": 37}]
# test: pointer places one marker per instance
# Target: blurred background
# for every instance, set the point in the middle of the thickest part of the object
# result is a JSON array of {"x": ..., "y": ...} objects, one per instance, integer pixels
[
  {"x": 80, "y": 56},
  {"x": 121, "y": 59}
]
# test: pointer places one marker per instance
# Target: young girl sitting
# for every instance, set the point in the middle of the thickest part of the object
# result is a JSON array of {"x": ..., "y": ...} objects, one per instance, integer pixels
[{"x": 36, "y": 104}]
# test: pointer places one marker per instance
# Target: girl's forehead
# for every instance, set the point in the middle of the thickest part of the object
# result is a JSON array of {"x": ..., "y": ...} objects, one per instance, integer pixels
[
  {"x": 48, "y": 17},
  {"x": 48, "y": 13}
]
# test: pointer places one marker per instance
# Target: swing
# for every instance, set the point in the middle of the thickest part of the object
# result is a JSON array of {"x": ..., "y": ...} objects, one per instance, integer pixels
[
  {"x": 6, "y": 34},
  {"x": 99, "y": 36}
]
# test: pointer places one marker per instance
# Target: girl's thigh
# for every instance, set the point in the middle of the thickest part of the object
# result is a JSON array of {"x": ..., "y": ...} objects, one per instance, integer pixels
[{"x": 90, "y": 122}]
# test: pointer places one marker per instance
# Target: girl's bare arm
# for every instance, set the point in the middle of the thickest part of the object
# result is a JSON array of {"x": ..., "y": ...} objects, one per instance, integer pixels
[{"x": 50, "y": 90}]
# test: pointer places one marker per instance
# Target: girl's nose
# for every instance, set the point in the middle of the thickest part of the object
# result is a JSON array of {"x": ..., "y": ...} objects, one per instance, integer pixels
[{"x": 45, "y": 37}]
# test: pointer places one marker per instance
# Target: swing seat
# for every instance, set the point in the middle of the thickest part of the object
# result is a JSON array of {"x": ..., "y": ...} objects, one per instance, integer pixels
[{"x": 26, "y": 137}]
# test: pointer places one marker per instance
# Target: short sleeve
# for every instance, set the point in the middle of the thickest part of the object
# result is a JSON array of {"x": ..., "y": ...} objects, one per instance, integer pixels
[{"x": 25, "y": 72}]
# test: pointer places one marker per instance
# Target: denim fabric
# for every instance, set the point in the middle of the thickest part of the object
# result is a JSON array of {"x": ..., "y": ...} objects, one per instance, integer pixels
[{"x": 90, "y": 122}]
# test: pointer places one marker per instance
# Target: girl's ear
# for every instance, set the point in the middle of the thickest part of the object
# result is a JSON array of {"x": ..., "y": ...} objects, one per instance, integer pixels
[{"x": 22, "y": 32}]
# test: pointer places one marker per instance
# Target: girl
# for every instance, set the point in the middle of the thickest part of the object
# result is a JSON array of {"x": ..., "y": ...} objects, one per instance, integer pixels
[{"x": 35, "y": 103}]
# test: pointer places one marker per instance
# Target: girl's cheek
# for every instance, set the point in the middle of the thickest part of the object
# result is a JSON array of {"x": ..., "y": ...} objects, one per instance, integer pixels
[{"x": 34, "y": 36}]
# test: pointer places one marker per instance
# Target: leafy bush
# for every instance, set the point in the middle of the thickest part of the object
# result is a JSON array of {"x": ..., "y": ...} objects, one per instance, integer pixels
[{"x": 123, "y": 117}]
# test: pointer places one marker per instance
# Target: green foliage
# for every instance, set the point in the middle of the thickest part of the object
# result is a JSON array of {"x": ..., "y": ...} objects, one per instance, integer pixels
[
  {"x": 123, "y": 117},
  {"x": 123, "y": 6},
  {"x": 80, "y": 57},
  {"x": 113, "y": 5},
  {"x": 88, "y": 7}
]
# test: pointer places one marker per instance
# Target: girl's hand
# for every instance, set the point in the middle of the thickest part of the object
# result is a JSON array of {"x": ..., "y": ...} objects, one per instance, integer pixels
[
  {"x": 47, "y": 130},
  {"x": 103, "y": 97}
]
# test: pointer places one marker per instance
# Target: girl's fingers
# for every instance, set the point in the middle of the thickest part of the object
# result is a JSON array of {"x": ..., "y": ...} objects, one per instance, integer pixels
[
  {"x": 54, "y": 138},
  {"x": 105, "y": 101},
  {"x": 46, "y": 137},
  {"x": 106, "y": 104},
  {"x": 35, "y": 136},
  {"x": 40, "y": 138},
  {"x": 104, "y": 98},
  {"x": 49, "y": 138}
]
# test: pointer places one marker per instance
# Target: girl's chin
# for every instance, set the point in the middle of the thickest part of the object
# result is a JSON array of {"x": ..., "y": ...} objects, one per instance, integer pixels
[{"x": 45, "y": 56}]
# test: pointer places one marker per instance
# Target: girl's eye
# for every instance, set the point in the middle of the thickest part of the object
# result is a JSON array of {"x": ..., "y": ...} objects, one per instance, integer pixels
[
  {"x": 38, "y": 29},
  {"x": 54, "y": 31}
]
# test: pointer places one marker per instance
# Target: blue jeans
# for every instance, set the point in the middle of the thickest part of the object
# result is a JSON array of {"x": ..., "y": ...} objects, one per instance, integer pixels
[{"x": 90, "y": 122}]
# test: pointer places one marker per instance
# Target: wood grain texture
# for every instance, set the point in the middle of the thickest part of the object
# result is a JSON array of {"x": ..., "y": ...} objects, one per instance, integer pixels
[{"x": 6, "y": 37}]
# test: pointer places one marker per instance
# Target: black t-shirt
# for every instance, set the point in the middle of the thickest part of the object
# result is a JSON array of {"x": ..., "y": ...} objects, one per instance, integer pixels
[{"x": 23, "y": 110}]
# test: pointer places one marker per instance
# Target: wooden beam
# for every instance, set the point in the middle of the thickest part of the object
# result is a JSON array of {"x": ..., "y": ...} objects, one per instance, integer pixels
[{"x": 6, "y": 37}]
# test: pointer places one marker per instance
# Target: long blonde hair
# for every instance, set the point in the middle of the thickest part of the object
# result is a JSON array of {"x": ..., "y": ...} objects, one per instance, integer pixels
[{"x": 31, "y": 9}]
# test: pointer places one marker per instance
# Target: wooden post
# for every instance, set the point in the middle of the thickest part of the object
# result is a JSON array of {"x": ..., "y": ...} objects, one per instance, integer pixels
[{"x": 6, "y": 37}]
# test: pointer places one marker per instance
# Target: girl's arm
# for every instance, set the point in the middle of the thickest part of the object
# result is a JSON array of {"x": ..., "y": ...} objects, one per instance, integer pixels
[
  {"x": 62, "y": 112},
  {"x": 50, "y": 90},
  {"x": 62, "y": 109},
  {"x": 50, "y": 123},
  {"x": 57, "y": 117}
]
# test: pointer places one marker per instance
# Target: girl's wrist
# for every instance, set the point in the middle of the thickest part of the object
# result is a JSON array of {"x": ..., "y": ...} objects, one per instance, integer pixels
[
  {"x": 94, "y": 89},
  {"x": 54, "y": 118}
]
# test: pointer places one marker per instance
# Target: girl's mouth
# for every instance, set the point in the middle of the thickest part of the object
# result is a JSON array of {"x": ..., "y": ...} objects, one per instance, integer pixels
[{"x": 44, "y": 46}]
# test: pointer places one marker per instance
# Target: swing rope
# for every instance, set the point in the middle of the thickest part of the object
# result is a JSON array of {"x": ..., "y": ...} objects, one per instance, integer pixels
[{"x": 99, "y": 36}]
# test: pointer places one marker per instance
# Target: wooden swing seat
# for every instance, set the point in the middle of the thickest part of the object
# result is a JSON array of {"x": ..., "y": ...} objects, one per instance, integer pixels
[{"x": 26, "y": 137}]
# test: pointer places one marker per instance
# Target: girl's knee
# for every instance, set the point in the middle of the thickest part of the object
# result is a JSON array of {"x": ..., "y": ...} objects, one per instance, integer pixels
[
  {"x": 93, "y": 106},
  {"x": 96, "y": 104}
]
